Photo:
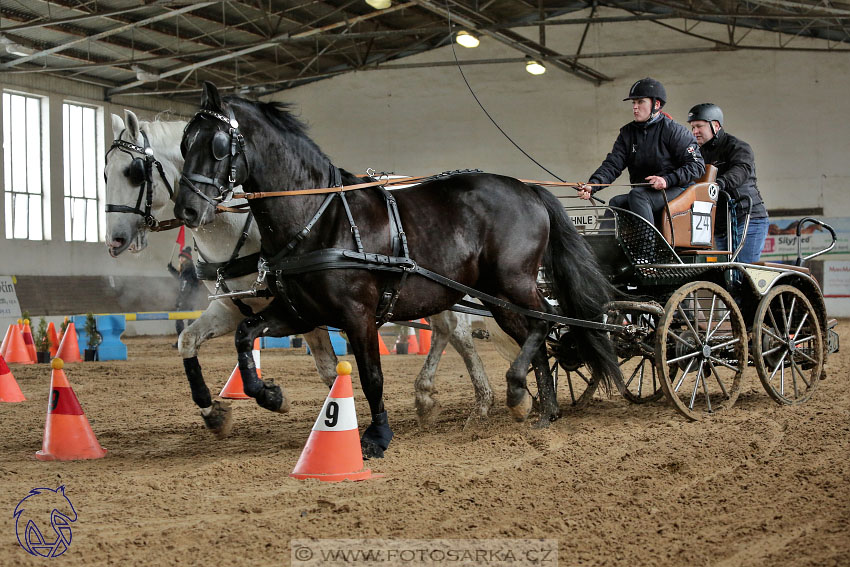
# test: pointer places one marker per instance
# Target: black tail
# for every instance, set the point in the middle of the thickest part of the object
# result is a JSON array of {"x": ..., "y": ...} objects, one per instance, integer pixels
[{"x": 580, "y": 288}]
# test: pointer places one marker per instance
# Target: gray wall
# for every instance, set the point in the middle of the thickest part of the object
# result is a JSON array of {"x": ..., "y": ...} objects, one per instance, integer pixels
[{"x": 788, "y": 105}]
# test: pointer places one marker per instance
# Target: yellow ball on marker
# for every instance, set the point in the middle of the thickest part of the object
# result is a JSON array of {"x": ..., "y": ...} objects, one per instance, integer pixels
[
  {"x": 57, "y": 364},
  {"x": 343, "y": 368}
]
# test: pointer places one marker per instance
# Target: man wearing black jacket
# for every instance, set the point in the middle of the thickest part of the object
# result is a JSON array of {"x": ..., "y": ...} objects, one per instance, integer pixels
[
  {"x": 662, "y": 156},
  {"x": 736, "y": 175},
  {"x": 189, "y": 282}
]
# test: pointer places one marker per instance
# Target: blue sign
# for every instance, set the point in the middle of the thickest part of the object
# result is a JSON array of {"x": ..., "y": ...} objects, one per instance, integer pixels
[{"x": 43, "y": 522}]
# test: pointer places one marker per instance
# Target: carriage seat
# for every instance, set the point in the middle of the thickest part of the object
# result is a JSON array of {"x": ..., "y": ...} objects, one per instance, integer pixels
[{"x": 693, "y": 214}]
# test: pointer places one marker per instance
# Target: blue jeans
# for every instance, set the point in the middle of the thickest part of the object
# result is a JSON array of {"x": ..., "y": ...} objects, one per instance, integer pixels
[{"x": 756, "y": 233}]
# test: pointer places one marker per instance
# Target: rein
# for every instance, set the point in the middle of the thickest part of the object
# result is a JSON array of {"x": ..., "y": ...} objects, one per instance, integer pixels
[{"x": 392, "y": 183}]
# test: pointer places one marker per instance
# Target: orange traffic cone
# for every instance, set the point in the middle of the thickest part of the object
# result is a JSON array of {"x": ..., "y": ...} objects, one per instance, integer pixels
[
  {"x": 424, "y": 339},
  {"x": 9, "y": 390},
  {"x": 234, "y": 390},
  {"x": 412, "y": 343},
  {"x": 17, "y": 351},
  {"x": 13, "y": 327},
  {"x": 332, "y": 452},
  {"x": 53, "y": 337},
  {"x": 69, "y": 349},
  {"x": 382, "y": 346},
  {"x": 26, "y": 332},
  {"x": 67, "y": 433}
]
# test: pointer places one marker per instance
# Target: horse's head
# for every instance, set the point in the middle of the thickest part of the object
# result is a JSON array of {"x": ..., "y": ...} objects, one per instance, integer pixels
[
  {"x": 137, "y": 188},
  {"x": 215, "y": 161}
]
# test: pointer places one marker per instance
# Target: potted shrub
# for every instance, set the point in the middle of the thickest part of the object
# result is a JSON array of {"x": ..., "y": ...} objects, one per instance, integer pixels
[
  {"x": 92, "y": 338},
  {"x": 62, "y": 327},
  {"x": 42, "y": 342},
  {"x": 297, "y": 341}
]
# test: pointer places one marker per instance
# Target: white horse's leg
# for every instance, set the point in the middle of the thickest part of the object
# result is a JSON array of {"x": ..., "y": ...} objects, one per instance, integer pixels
[
  {"x": 461, "y": 340},
  {"x": 323, "y": 354},
  {"x": 427, "y": 408},
  {"x": 217, "y": 320}
]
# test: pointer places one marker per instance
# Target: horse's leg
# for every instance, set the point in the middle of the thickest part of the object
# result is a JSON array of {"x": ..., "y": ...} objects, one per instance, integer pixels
[
  {"x": 531, "y": 334},
  {"x": 427, "y": 408},
  {"x": 363, "y": 336},
  {"x": 217, "y": 320},
  {"x": 461, "y": 340},
  {"x": 323, "y": 354},
  {"x": 268, "y": 394}
]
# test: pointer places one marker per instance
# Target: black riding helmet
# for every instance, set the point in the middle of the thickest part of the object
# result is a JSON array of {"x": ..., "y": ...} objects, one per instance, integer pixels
[
  {"x": 648, "y": 88},
  {"x": 708, "y": 112}
]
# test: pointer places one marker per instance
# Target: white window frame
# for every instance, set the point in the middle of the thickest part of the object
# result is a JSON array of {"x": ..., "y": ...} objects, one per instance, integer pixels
[
  {"x": 82, "y": 163},
  {"x": 26, "y": 165}
]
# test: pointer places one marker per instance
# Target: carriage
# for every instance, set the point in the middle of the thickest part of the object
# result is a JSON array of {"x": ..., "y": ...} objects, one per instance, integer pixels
[{"x": 699, "y": 318}]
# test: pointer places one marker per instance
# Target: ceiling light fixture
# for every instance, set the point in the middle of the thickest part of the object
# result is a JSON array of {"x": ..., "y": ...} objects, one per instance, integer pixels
[
  {"x": 14, "y": 48},
  {"x": 466, "y": 39},
  {"x": 379, "y": 4},
  {"x": 144, "y": 76},
  {"x": 535, "y": 67}
]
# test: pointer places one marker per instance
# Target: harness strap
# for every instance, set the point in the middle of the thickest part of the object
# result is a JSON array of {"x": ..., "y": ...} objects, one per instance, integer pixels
[
  {"x": 336, "y": 258},
  {"x": 239, "y": 267}
]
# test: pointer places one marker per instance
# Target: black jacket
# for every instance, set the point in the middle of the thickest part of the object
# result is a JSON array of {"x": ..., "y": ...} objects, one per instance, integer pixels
[
  {"x": 660, "y": 146},
  {"x": 188, "y": 284},
  {"x": 736, "y": 174}
]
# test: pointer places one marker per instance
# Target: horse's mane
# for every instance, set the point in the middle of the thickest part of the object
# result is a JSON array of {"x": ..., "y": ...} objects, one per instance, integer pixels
[
  {"x": 280, "y": 116},
  {"x": 165, "y": 135}
]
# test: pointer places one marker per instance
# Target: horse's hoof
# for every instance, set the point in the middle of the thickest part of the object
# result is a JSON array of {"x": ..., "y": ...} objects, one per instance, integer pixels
[
  {"x": 427, "y": 410},
  {"x": 220, "y": 419},
  {"x": 543, "y": 423},
  {"x": 371, "y": 450},
  {"x": 521, "y": 410},
  {"x": 271, "y": 397},
  {"x": 477, "y": 420}
]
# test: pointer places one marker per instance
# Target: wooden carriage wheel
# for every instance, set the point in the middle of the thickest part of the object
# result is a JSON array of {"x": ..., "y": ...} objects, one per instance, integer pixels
[
  {"x": 701, "y": 349},
  {"x": 568, "y": 371},
  {"x": 637, "y": 354},
  {"x": 787, "y": 345}
]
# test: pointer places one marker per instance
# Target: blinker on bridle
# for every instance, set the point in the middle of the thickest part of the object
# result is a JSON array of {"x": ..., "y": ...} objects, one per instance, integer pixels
[
  {"x": 144, "y": 167},
  {"x": 229, "y": 145}
]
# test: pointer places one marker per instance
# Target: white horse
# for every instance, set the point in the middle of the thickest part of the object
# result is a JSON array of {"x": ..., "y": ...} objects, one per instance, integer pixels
[{"x": 143, "y": 158}]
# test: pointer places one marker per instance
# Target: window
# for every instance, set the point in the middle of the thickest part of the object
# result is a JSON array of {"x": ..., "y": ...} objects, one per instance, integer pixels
[
  {"x": 85, "y": 218},
  {"x": 26, "y": 170}
]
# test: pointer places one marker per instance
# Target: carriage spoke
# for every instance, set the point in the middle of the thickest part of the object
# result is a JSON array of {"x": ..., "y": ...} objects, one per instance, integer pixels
[
  {"x": 769, "y": 332},
  {"x": 794, "y": 378},
  {"x": 802, "y": 374},
  {"x": 800, "y": 326},
  {"x": 782, "y": 379},
  {"x": 696, "y": 387},
  {"x": 710, "y": 319},
  {"x": 570, "y": 384},
  {"x": 634, "y": 373},
  {"x": 719, "y": 381},
  {"x": 804, "y": 340},
  {"x": 707, "y": 397},
  {"x": 774, "y": 349},
  {"x": 806, "y": 356},
  {"x": 583, "y": 377},
  {"x": 719, "y": 324},
  {"x": 683, "y": 357},
  {"x": 723, "y": 363},
  {"x": 688, "y": 321},
  {"x": 726, "y": 344},
  {"x": 778, "y": 366},
  {"x": 682, "y": 379},
  {"x": 682, "y": 341},
  {"x": 775, "y": 325},
  {"x": 791, "y": 312}
]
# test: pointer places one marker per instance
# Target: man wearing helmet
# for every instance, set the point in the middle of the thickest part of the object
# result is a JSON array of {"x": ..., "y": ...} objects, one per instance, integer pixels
[
  {"x": 661, "y": 155},
  {"x": 736, "y": 175}
]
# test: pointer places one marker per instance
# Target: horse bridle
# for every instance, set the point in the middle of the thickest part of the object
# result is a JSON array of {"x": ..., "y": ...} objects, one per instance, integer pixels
[
  {"x": 146, "y": 163},
  {"x": 222, "y": 147}
]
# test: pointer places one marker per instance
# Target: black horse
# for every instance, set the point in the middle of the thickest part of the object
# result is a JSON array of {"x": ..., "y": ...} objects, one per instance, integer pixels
[{"x": 484, "y": 231}]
